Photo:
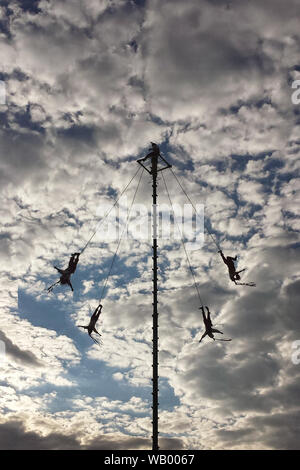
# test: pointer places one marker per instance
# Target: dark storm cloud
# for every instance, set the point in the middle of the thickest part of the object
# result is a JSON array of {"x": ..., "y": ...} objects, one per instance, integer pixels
[
  {"x": 134, "y": 443},
  {"x": 280, "y": 431},
  {"x": 19, "y": 355},
  {"x": 237, "y": 435},
  {"x": 14, "y": 436}
]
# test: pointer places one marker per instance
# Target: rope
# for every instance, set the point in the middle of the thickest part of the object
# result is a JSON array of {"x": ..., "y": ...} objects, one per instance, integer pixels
[
  {"x": 211, "y": 235},
  {"x": 250, "y": 284},
  {"x": 180, "y": 233},
  {"x": 108, "y": 212},
  {"x": 221, "y": 339},
  {"x": 119, "y": 242},
  {"x": 50, "y": 289}
]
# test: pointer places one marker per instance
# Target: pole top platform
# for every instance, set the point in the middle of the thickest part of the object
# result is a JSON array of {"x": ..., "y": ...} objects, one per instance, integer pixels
[{"x": 162, "y": 163}]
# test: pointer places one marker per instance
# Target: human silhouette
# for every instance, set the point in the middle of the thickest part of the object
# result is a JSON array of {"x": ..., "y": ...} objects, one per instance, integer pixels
[
  {"x": 229, "y": 261},
  {"x": 73, "y": 263},
  {"x": 66, "y": 273},
  {"x": 154, "y": 152},
  {"x": 91, "y": 327},
  {"x": 208, "y": 325}
]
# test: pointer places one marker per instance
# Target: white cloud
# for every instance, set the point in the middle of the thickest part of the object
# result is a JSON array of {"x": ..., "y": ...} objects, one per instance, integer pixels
[{"x": 89, "y": 85}]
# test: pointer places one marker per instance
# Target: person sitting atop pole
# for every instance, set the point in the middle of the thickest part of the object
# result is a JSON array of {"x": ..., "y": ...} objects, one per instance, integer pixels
[
  {"x": 154, "y": 152},
  {"x": 208, "y": 325},
  {"x": 91, "y": 327},
  {"x": 66, "y": 273},
  {"x": 229, "y": 261}
]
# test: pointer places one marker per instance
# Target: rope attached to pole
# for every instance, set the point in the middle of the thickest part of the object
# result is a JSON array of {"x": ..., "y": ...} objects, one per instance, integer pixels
[
  {"x": 209, "y": 232},
  {"x": 119, "y": 242},
  {"x": 108, "y": 212},
  {"x": 182, "y": 240}
]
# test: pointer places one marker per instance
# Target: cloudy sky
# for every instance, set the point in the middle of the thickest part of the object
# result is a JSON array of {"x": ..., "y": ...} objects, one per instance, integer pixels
[{"x": 89, "y": 83}]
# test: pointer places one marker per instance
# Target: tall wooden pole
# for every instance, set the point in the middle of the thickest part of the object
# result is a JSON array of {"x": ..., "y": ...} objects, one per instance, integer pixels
[
  {"x": 155, "y": 312},
  {"x": 156, "y": 160}
]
